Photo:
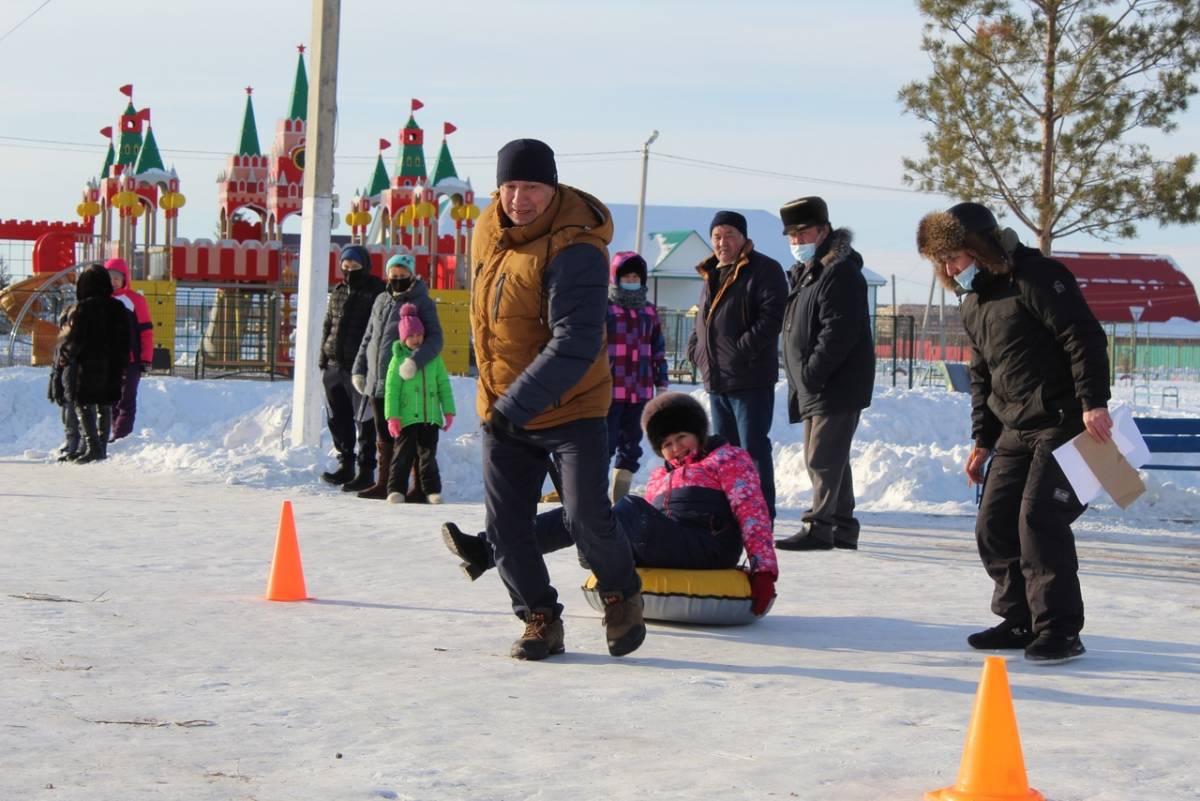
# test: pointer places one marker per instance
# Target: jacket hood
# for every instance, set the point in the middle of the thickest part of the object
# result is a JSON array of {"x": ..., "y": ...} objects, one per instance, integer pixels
[
  {"x": 838, "y": 249},
  {"x": 93, "y": 283},
  {"x": 120, "y": 266},
  {"x": 572, "y": 213}
]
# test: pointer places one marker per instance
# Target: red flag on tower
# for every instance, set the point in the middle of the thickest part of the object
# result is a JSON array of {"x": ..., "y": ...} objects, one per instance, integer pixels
[
  {"x": 106, "y": 132},
  {"x": 127, "y": 90},
  {"x": 144, "y": 115},
  {"x": 448, "y": 128},
  {"x": 416, "y": 104},
  {"x": 384, "y": 144}
]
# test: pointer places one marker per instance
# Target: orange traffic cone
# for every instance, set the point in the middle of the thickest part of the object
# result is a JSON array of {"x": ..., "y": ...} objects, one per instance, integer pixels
[
  {"x": 286, "y": 582},
  {"x": 992, "y": 768}
]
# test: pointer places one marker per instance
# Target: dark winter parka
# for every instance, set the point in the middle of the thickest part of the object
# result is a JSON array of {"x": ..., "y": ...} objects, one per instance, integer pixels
[
  {"x": 735, "y": 342},
  {"x": 346, "y": 318},
  {"x": 375, "y": 350},
  {"x": 93, "y": 348},
  {"x": 828, "y": 349},
  {"x": 1039, "y": 357}
]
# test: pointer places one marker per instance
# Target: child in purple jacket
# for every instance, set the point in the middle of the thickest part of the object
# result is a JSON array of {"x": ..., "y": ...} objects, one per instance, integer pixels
[{"x": 638, "y": 360}]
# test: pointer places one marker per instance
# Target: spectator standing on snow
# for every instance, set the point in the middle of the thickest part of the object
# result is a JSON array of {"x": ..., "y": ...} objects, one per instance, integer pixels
[
  {"x": 417, "y": 402},
  {"x": 637, "y": 356},
  {"x": 375, "y": 353},
  {"x": 1039, "y": 377},
  {"x": 735, "y": 343},
  {"x": 538, "y": 304},
  {"x": 92, "y": 356},
  {"x": 702, "y": 507},
  {"x": 141, "y": 346},
  {"x": 346, "y": 317},
  {"x": 829, "y": 357}
]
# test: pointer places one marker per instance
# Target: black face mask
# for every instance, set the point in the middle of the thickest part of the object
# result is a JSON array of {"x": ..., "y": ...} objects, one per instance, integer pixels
[
  {"x": 398, "y": 286},
  {"x": 354, "y": 277}
]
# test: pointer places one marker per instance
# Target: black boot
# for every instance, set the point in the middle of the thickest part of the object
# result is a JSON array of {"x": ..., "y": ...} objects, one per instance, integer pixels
[
  {"x": 806, "y": 539},
  {"x": 344, "y": 473},
  {"x": 383, "y": 449},
  {"x": 93, "y": 450},
  {"x": 475, "y": 552},
  {"x": 365, "y": 477}
]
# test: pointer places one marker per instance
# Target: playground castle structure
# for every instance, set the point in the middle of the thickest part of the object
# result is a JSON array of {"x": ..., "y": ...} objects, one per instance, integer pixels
[{"x": 247, "y": 277}]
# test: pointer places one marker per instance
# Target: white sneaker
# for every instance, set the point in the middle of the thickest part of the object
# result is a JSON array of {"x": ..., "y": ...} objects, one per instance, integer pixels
[
  {"x": 434, "y": 498},
  {"x": 395, "y": 497}
]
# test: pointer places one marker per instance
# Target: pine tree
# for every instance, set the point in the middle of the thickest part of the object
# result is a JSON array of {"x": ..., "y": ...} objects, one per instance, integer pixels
[{"x": 1042, "y": 106}]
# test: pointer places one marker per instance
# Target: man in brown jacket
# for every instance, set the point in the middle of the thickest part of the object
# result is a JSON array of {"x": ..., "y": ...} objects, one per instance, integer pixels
[{"x": 539, "y": 296}]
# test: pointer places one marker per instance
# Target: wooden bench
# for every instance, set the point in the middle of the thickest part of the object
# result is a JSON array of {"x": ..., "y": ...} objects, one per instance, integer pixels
[{"x": 1170, "y": 435}]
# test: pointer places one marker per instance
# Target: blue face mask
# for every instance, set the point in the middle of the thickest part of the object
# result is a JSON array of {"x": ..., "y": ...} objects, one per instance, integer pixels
[
  {"x": 966, "y": 278},
  {"x": 804, "y": 253},
  {"x": 628, "y": 287}
]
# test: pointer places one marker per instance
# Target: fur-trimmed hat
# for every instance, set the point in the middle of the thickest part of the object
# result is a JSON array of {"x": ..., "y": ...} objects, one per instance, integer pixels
[
  {"x": 410, "y": 323},
  {"x": 628, "y": 262},
  {"x": 673, "y": 413},
  {"x": 803, "y": 212},
  {"x": 965, "y": 226}
]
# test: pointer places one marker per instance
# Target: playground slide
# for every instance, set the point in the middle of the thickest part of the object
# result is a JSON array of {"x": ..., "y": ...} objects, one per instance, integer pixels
[{"x": 44, "y": 333}]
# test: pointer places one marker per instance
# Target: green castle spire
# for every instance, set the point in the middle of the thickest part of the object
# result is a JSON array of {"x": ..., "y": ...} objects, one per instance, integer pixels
[
  {"x": 129, "y": 143},
  {"x": 148, "y": 157},
  {"x": 379, "y": 181},
  {"x": 410, "y": 162},
  {"x": 444, "y": 166},
  {"x": 248, "y": 146},
  {"x": 106, "y": 170},
  {"x": 299, "y": 110}
]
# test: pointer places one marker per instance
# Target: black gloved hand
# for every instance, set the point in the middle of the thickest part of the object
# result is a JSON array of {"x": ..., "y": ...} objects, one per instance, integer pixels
[{"x": 501, "y": 427}]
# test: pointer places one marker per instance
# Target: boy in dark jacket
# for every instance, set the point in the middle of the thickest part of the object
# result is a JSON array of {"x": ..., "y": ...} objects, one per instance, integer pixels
[
  {"x": 1039, "y": 377},
  {"x": 92, "y": 356}
]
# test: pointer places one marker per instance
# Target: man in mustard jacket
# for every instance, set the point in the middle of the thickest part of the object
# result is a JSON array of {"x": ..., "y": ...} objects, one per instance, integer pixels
[{"x": 539, "y": 295}]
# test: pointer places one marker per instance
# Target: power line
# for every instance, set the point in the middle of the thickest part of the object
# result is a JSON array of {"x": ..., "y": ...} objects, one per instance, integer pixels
[
  {"x": 22, "y": 22},
  {"x": 734, "y": 168}
]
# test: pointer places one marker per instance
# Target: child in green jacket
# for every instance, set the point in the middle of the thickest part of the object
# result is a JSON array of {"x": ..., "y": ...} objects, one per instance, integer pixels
[{"x": 416, "y": 403}]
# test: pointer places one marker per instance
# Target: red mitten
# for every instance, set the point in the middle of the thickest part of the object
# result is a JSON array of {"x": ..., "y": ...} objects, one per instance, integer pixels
[
  {"x": 762, "y": 590},
  {"x": 449, "y": 420},
  {"x": 394, "y": 427}
]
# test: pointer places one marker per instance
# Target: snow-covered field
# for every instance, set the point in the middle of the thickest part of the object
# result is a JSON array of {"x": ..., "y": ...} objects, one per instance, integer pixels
[{"x": 139, "y": 661}]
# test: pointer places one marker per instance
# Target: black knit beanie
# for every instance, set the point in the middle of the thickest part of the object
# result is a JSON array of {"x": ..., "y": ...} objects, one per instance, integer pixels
[
  {"x": 728, "y": 218},
  {"x": 526, "y": 160},
  {"x": 673, "y": 413}
]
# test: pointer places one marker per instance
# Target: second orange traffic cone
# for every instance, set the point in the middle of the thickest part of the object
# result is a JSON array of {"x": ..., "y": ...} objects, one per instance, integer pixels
[
  {"x": 992, "y": 767},
  {"x": 286, "y": 580}
]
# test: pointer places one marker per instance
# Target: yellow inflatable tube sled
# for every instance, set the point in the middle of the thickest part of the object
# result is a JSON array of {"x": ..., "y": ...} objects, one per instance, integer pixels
[{"x": 706, "y": 597}]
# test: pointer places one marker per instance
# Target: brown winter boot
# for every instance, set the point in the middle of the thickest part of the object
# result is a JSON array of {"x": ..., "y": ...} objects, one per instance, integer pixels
[
  {"x": 383, "y": 449},
  {"x": 543, "y": 636},
  {"x": 623, "y": 623}
]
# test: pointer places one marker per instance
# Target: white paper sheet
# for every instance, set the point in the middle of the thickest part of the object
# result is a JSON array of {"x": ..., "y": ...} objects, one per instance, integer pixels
[{"x": 1129, "y": 442}]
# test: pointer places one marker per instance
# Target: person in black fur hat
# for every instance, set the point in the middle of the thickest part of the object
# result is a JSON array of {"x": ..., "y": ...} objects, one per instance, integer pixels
[
  {"x": 829, "y": 358},
  {"x": 1039, "y": 377},
  {"x": 701, "y": 508}
]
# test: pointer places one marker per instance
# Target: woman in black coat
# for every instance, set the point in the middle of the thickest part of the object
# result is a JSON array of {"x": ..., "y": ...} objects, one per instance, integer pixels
[{"x": 93, "y": 353}]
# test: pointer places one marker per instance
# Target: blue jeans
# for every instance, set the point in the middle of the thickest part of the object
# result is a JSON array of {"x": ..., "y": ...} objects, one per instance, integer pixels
[
  {"x": 625, "y": 434},
  {"x": 744, "y": 418}
]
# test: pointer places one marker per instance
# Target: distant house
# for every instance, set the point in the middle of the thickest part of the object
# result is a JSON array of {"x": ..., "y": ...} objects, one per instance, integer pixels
[{"x": 672, "y": 278}]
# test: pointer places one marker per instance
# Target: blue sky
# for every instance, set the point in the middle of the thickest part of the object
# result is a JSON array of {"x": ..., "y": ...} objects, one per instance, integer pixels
[{"x": 799, "y": 88}]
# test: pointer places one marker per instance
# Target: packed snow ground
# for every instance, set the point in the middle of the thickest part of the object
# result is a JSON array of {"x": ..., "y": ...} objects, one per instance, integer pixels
[{"x": 159, "y": 672}]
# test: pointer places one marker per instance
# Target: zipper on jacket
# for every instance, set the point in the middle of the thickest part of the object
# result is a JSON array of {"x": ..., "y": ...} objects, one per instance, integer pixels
[{"x": 496, "y": 295}]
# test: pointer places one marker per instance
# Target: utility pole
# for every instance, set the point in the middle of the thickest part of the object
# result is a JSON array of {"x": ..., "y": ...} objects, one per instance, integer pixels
[
  {"x": 315, "y": 223},
  {"x": 641, "y": 216}
]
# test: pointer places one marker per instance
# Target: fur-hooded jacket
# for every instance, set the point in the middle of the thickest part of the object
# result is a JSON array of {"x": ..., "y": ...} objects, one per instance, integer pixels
[
  {"x": 93, "y": 347},
  {"x": 828, "y": 348}
]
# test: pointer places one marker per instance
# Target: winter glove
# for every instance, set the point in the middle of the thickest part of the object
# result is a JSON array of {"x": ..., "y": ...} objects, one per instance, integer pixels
[
  {"x": 408, "y": 368},
  {"x": 360, "y": 383},
  {"x": 146, "y": 367},
  {"x": 762, "y": 591},
  {"x": 394, "y": 426},
  {"x": 501, "y": 427},
  {"x": 449, "y": 421}
]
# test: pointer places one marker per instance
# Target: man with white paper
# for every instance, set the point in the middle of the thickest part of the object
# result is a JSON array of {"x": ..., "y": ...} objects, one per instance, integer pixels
[{"x": 1039, "y": 377}]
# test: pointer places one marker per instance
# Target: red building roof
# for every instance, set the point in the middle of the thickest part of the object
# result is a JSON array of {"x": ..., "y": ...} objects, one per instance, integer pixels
[{"x": 1114, "y": 282}]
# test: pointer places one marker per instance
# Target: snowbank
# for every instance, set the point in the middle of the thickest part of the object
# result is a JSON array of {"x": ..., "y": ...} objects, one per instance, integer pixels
[{"x": 907, "y": 456}]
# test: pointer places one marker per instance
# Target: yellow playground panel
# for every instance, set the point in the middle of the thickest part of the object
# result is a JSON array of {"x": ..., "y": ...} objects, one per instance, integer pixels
[
  {"x": 453, "y": 308},
  {"x": 160, "y": 297}
]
